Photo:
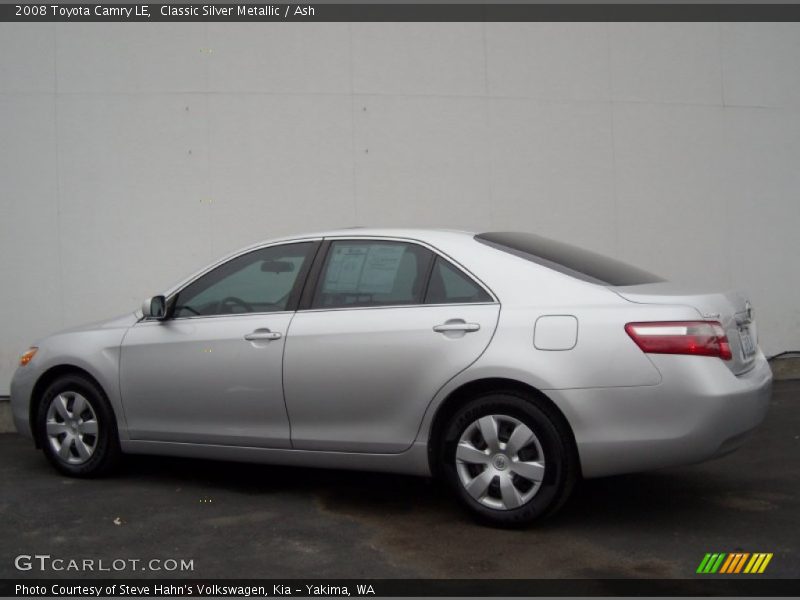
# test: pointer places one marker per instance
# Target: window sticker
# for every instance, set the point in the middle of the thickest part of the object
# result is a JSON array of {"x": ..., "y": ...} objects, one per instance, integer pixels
[
  {"x": 380, "y": 269},
  {"x": 363, "y": 269},
  {"x": 344, "y": 269}
]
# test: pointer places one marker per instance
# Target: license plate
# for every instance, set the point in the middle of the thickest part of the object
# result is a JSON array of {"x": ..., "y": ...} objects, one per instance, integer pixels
[{"x": 748, "y": 347}]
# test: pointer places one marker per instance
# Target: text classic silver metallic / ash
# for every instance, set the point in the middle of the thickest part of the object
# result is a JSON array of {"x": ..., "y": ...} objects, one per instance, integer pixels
[{"x": 505, "y": 363}]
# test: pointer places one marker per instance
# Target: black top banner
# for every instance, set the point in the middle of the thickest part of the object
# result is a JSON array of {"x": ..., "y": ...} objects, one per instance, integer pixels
[
  {"x": 370, "y": 588},
  {"x": 51, "y": 12}
]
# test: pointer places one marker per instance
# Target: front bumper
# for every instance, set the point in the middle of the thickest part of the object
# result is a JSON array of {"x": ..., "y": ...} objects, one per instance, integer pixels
[
  {"x": 21, "y": 389},
  {"x": 699, "y": 411}
]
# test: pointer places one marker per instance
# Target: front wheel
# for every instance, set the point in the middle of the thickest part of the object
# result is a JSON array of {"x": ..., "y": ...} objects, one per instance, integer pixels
[
  {"x": 508, "y": 458},
  {"x": 76, "y": 426}
]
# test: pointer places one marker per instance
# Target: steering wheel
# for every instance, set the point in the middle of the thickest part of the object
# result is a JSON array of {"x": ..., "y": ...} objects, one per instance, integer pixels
[{"x": 230, "y": 301}]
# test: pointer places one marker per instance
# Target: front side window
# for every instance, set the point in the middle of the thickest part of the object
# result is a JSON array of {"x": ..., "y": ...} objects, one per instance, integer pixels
[
  {"x": 372, "y": 273},
  {"x": 449, "y": 285},
  {"x": 259, "y": 281}
]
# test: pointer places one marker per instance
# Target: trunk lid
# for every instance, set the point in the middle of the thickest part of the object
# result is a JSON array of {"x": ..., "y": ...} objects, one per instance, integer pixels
[{"x": 732, "y": 309}]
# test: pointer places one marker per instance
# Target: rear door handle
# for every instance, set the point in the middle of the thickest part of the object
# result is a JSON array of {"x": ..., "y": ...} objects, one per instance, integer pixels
[
  {"x": 465, "y": 327},
  {"x": 262, "y": 334}
]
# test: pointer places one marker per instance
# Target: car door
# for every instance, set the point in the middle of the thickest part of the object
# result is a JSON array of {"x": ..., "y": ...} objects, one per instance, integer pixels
[
  {"x": 212, "y": 372},
  {"x": 388, "y": 324}
]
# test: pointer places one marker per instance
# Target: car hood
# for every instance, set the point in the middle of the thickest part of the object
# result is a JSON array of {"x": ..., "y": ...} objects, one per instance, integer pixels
[{"x": 118, "y": 322}]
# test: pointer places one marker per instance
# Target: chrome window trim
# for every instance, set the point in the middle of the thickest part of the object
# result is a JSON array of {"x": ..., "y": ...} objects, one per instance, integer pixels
[
  {"x": 341, "y": 308},
  {"x": 177, "y": 289},
  {"x": 249, "y": 314}
]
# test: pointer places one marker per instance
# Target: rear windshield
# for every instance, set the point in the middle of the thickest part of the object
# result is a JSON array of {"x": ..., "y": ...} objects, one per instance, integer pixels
[{"x": 567, "y": 259}]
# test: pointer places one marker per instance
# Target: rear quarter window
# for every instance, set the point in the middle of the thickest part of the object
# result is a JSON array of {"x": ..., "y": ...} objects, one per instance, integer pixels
[{"x": 570, "y": 260}]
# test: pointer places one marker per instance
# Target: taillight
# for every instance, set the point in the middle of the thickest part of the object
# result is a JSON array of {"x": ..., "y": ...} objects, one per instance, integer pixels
[{"x": 701, "y": 338}]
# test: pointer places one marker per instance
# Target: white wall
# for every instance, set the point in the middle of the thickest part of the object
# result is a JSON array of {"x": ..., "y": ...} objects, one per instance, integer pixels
[{"x": 132, "y": 154}]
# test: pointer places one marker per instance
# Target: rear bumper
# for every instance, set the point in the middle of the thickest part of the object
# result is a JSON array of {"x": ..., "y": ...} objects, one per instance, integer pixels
[{"x": 699, "y": 411}]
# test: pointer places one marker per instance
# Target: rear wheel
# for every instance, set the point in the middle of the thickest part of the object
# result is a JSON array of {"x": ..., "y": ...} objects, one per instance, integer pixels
[
  {"x": 508, "y": 458},
  {"x": 77, "y": 428}
]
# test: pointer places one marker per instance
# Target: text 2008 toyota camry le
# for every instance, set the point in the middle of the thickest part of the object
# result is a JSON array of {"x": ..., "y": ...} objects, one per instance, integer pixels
[{"x": 506, "y": 363}]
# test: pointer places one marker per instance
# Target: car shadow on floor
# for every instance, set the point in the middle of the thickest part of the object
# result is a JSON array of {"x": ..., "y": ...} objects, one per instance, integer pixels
[{"x": 596, "y": 502}]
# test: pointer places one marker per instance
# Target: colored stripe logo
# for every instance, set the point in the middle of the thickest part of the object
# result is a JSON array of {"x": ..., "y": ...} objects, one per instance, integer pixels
[{"x": 734, "y": 563}]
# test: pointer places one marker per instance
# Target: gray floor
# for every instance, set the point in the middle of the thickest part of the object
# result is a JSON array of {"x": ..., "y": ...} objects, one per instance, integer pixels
[{"x": 261, "y": 521}]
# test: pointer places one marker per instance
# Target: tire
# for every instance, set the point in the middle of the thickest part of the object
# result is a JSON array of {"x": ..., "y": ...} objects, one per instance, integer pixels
[
  {"x": 516, "y": 478},
  {"x": 77, "y": 428}
]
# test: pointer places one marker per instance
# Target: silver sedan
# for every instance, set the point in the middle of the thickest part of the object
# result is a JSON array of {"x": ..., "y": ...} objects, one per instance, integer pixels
[{"x": 506, "y": 364}]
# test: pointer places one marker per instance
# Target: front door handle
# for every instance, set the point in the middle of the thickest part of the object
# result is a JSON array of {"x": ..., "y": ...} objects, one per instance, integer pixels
[
  {"x": 456, "y": 326},
  {"x": 262, "y": 334}
]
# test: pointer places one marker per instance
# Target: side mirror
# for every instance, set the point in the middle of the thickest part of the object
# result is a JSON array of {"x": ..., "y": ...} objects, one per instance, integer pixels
[{"x": 155, "y": 308}]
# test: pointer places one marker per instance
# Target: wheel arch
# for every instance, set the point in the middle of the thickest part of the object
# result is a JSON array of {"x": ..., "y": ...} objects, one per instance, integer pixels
[
  {"x": 465, "y": 392},
  {"x": 44, "y": 381}
]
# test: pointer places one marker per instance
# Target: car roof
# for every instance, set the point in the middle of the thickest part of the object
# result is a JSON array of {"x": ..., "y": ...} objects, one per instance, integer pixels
[{"x": 420, "y": 233}]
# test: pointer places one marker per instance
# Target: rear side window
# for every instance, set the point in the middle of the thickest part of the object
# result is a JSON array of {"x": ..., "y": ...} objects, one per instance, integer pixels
[
  {"x": 372, "y": 273},
  {"x": 449, "y": 285},
  {"x": 567, "y": 259}
]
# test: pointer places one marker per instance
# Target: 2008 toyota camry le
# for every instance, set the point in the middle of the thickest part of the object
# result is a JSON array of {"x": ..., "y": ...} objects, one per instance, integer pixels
[{"x": 507, "y": 364}]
